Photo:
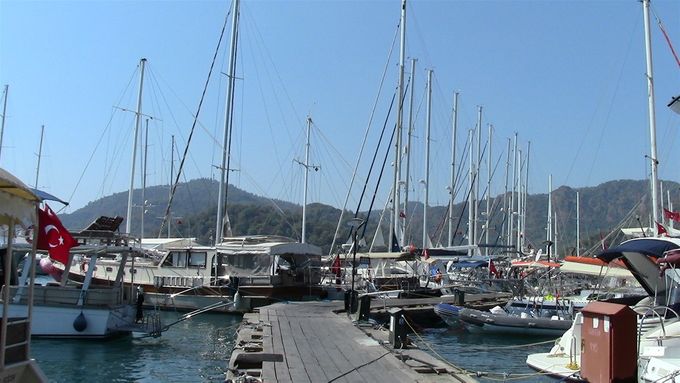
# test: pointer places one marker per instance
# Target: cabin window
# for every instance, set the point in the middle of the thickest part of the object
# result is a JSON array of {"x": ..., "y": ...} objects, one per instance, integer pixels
[
  {"x": 198, "y": 259},
  {"x": 175, "y": 259}
]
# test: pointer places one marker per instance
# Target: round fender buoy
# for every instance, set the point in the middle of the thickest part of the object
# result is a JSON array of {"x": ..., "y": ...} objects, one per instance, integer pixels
[{"x": 80, "y": 323}]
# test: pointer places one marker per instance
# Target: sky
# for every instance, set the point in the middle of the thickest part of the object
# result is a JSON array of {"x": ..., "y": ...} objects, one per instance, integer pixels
[{"x": 567, "y": 76}]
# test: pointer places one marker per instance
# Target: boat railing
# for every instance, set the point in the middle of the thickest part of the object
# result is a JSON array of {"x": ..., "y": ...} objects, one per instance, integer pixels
[
  {"x": 67, "y": 296},
  {"x": 653, "y": 317}
]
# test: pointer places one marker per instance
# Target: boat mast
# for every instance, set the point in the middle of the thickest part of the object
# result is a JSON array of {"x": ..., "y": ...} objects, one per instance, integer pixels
[
  {"x": 138, "y": 117},
  {"x": 427, "y": 156},
  {"x": 228, "y": 113},
  {"x": 477, "y": 166},
  {"x": 172, "y": 172},
  {"x": 452, "y": 190},
  {"x": 578, "y": 225},
  {"x": 511, "y": 212},
  {"x": 488, "y": 192},
  {"x": 306, "y": 165},
  {"x": 525, "y": 197},
  {"x": 549, "y": 226},
  {"x": 652, "y": 114},
  {"x": 37, "y": 168},
  {"x": 508, "y": 215},
  {"x": 146, "y": 149},
  {"x": 471, "y": 197},
  {"x": 4, "y": 112},
  {"x": 520, "y": 200},
  {"x": 394, "y": 222},
  {"x": 408, "y": 152}
]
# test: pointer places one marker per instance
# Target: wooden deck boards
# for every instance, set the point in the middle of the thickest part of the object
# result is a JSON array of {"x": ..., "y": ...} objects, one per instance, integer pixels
[{"x": 320, "y": 346}]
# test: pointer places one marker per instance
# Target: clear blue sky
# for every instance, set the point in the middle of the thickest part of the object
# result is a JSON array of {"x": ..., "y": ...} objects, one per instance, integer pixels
[{"x": 566, "y": 75}]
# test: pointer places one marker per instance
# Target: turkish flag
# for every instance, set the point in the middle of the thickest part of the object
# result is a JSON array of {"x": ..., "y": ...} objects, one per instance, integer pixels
[
  {"x": 672, "y": 215},
  {"x": 53, "y": 236},
  {"x": 492, "y": 268},
  {"x": 661, "y": 230},
  {"x": 335, "y": 269}
]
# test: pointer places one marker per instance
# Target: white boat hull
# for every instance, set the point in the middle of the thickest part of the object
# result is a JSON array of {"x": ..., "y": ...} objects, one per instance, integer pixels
[{"x": 58, "y": 321}]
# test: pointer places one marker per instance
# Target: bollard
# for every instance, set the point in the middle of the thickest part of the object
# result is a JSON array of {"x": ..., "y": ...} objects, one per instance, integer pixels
[
  {"x": 458, "y": 297},
  {"x": 364, "y": 308},
  {"x": 397, "y": 328}
]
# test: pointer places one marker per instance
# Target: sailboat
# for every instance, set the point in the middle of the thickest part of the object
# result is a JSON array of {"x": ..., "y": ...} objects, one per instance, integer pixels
[
  {"x": 647, "y": 349},
  {"x": 233, "y": 273}
]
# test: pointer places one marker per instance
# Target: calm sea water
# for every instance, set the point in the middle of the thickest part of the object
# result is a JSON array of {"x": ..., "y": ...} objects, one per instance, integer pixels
[
  {"x": 196, "y": 350},
  {"x": 487, "y": 352}
]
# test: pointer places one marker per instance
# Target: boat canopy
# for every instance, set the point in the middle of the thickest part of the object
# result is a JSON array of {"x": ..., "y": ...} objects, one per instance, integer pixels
[
  {"x": 242, "y": 257},
  {"x": 591, "y": 269},
  {"x": 470, "y": 264},
  {"x": 17, "y": 201},
  {"x": 637, "y": 254}
]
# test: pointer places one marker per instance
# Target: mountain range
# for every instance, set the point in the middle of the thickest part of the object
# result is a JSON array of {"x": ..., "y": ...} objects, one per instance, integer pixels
[{"x": 602, "y": 210}]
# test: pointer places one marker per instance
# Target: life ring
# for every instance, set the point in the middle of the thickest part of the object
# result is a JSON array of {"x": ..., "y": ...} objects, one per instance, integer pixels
[{"x": 84, "y": 265}]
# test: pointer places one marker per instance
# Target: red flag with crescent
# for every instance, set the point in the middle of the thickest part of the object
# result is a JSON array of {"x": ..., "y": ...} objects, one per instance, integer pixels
[
  {"x": 53, "y": 236},
  {"x": 661, "y": 231},
  {"x": 672, "y": 215}
]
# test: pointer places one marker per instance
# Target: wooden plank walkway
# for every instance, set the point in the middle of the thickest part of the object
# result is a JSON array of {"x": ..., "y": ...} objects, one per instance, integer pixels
[{"x": 308, "y": 342}]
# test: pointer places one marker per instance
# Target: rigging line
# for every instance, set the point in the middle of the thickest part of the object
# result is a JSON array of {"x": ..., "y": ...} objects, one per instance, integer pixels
[
  {"x": 601, "y": 100},
  {"x": 382, "y": 169},
  {"x": 377, "y": 184},
  {"x": 365, "y": 139},
  {"x": 193, "y": 126},
  {"x": 665, "y": 35},
  {"x": 106, "y": 128},
  {"x": 210, "y": 134},
  {"x": 465, "y": 203},
  {"x": 275, "y": 69},
  {"x": 375, "y": 154}
]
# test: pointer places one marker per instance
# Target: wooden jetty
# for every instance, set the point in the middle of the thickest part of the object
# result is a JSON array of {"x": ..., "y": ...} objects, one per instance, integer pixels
[{"x": 311, "y": 342}]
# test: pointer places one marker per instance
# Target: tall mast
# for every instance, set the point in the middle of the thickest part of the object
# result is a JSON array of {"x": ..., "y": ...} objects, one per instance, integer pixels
[
  {"x": 228, "y": 113},
  {"x": 304, "y": 194},
  {"x": 452, "y": 190},
  {"x": 520, "y": 200},
  {"x": 427, "y": 156},
  {"x": 408, "y": 152},
  {"x": 511, "y": 228},
  {"x": 526, "y": 194},
  {"x": 652, "y": 114},
  {"x": 138, "y": 118},
  {"x": 394, "y": 222},
  {"x": 488, "y": 191},
  {"x": 549, "y": 236},
  {"x": 471, "y": 197},
  {"x": 578, "y": 225},
  {"x": 508, "y": 215},
  {"x": 146, "y": 149},
  {"x": 172, "y": 171},
  {"x": 37, "y": 168},
  {"x": 4, "y": 112},
  {"x": 477, "y": 166}
]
